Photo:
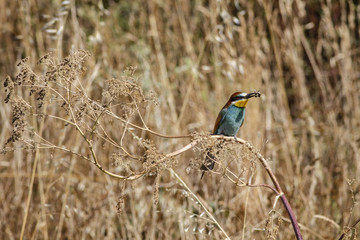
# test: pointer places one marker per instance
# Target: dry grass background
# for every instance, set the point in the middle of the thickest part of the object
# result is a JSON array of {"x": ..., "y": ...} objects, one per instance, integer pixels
[{"x": 302, "y": 55}]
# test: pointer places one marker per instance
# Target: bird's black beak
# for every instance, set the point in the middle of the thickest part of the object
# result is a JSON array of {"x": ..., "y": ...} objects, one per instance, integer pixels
[{"x": 253, "y": 94}]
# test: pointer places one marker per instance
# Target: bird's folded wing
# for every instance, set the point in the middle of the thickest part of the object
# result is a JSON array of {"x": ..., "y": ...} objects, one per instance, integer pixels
[{"x": 220, "y": 119}]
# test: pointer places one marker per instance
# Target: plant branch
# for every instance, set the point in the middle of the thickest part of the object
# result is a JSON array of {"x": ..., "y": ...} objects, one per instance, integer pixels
[
  {"x": 273, "y": 179},
  {"x": 134, "y": 176},
  {"x": 347, "y": 230}
]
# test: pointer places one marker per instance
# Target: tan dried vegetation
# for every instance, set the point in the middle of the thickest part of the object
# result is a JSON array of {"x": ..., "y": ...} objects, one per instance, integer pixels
[{"x": 94, "y": 149}]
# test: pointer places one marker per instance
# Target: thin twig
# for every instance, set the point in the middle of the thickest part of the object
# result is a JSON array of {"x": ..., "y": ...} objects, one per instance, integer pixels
[
  {"x": 349, "y": 228},
  {"x": 199, "y": 201},
  {"x": 36, "y": 158}
]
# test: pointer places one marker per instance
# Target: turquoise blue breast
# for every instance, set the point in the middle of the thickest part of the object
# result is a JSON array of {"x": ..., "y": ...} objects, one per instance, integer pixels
[{"x": 231, "y": 122}]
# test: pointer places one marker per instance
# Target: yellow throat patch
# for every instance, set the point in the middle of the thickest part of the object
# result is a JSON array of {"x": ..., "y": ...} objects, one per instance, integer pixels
[{"x": 241, "y": 103}]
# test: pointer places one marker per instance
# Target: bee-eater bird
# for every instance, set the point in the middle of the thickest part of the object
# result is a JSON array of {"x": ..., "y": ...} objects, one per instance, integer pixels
[{"x": 229, "y": 121}]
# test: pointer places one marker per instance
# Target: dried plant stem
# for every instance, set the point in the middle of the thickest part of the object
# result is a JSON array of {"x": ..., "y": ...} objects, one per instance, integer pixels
[
  {"x": 43, "y": 203},
  {"x": 199, "y": 201},
  {"x": 109, "y": 112},
  {"x": 281, "y": 85},
  {"x": 279, "y": 190},
  {"x": 264, "y": 163},
  {"x": 243, "y": 184},
  {"x": 245, "y": 213},
  {"x": 144, "y": 128},
  {"x": 269, "y": 172},
  {"x": 64, "y": 204},
  {"x": 275, "y": 182},
  {"x": 28, "y": 201},
  {"x": 33, "y": 173},
  {"x": 332, "y": 222},
  {"x": 164, "y": 76},
  {"x": 347, "y": 230}
]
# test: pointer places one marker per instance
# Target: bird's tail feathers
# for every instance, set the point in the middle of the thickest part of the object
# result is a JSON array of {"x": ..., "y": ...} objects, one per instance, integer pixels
[{"x": 209, "y": 163}]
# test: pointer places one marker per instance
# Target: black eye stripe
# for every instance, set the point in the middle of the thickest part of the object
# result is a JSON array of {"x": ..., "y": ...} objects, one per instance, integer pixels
[{"x": 236, "y": 98}]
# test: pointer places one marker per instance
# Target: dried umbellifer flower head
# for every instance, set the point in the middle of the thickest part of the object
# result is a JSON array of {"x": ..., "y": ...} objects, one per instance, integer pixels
[
  {"x": 9, "y": 88},
  {"x": 20, "y": 109},
  {"x": 24, "y": 72}
]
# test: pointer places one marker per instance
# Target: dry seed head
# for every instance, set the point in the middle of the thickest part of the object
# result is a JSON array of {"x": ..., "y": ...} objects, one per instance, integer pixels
[
  {"x": 9, "y": 88},
  {"x": 120, "y": 161},
  {"x": 20, "y": 109},
  {"x": 199, "y": 135},
  {"x": 152, "y": 158},
  {"x": 40, "y": 97},
  {"x": 151, "y": 97},
  {"x": 66, "y": 108},
  {"x": 126, "y": 86},
  {"x": 130, "y": 70},
  {"x": 47, "y": 59},
  {"x": 128, "y": 109},
  {"x": 82, "y": 108},
  {"x": 156, "y": 189},
  {"x": 38, "y": 87},
  {"x": 120, "y": 204},
  {"x": 73, "y": 64},
  {"x": 228, "y": 153},
  {"x": 68, "y": 68},
  {"x": 23, "y": 74},
  {"x": 272, "y": 228},
  {"x": 37, "y": 84},
  {"x": 194, "y": 163},
  {"x": 151, "y": 155}
]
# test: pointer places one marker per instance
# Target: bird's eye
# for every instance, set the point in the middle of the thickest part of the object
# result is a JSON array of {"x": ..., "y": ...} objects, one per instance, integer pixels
[{"x": 236, "y": 98}]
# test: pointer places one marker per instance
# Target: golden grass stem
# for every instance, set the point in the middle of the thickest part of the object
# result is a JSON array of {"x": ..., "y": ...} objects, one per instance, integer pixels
[
  {"x": 245, "y": 213},
  {"x": 28, "y": 201},
  {"x": 64, "y": 199}
]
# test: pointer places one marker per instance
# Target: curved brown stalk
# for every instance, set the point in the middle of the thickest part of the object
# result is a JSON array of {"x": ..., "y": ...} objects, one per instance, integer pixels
[{"x": 273, "y": 179}]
